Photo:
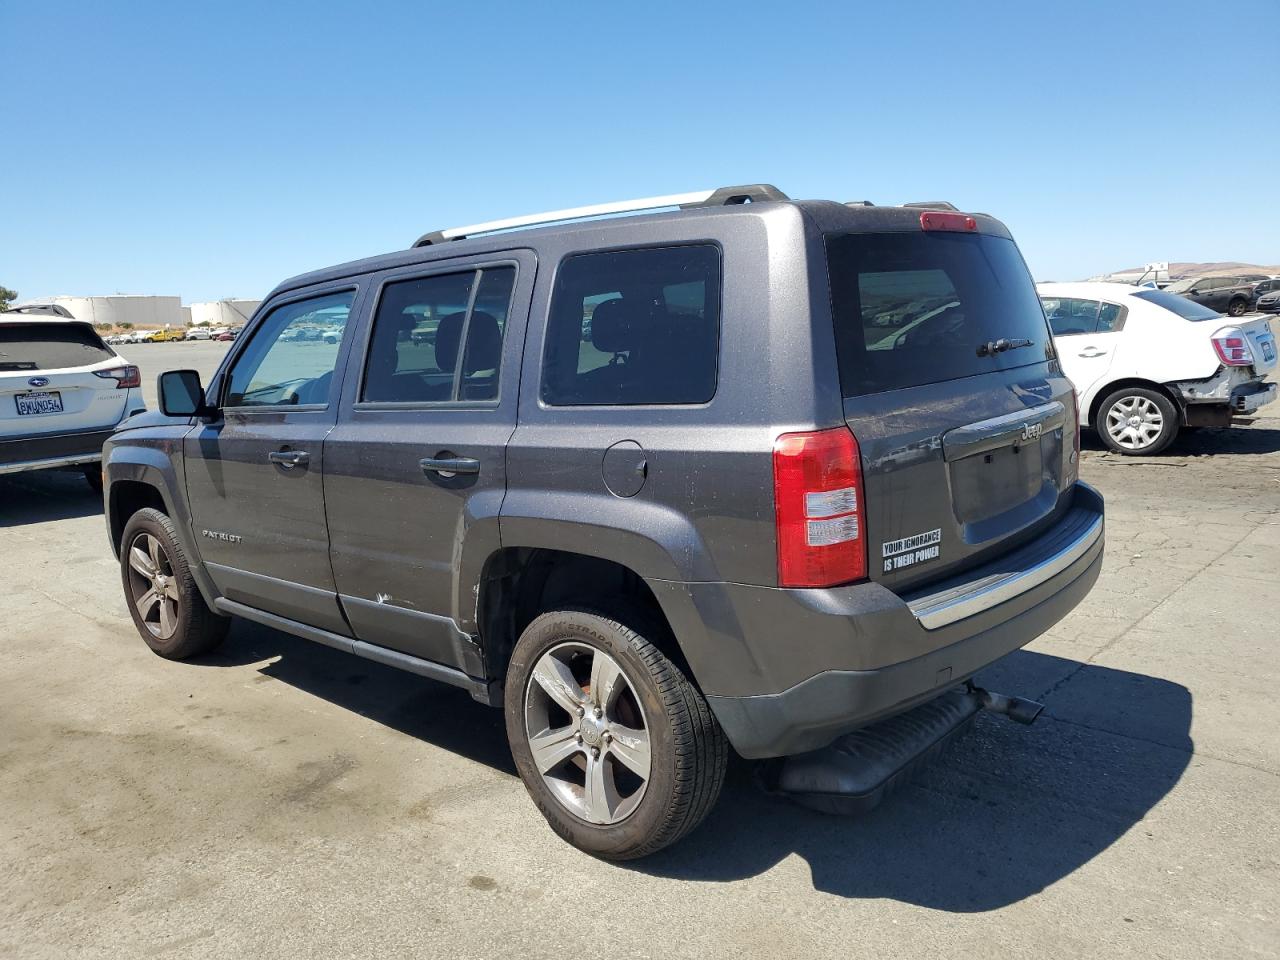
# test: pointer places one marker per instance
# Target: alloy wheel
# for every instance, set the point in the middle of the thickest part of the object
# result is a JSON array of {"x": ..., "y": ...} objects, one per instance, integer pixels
[
  {"x": 1134, "y": 422},
  {"x": 153, "y": 585},
  {"x": 587, "y": 733}
]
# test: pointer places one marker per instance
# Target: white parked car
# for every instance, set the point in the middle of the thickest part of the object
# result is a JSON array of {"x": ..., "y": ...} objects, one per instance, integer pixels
[
  {"x": 199, "y": 333},
  {"x": 62, "y": 393},
  {"x": 1147, "y": 362}
]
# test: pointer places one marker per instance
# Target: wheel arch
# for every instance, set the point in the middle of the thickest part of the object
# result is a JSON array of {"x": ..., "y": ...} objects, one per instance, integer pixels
[{"x": 519, "y": 583}]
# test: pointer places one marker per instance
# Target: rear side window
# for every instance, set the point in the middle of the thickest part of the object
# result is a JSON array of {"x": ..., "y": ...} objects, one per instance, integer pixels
[
  {"x": 1186, "y": 309},
  {"x": 915, "y": 308},
  {"x": 419, "y": 331},
  {"x": 634, "y": 327},
  {"x": 48, "y": 345}
]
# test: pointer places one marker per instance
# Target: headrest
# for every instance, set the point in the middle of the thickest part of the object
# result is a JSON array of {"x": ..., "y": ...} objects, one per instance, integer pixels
[
  {"x": 485, "y": 337},
  {"x": 616, "y": 325},
  {"x": 448, "y": 336}
]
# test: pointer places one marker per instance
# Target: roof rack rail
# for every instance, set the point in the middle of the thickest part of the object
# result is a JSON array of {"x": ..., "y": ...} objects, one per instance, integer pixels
[
  {"x": 722, "y": 196},
  {"x": 933, "y": 205}
]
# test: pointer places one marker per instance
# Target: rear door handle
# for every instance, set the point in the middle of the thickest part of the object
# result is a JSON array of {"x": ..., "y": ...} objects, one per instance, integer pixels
[
  {"x": 289, "y": 458},
  {"x": 449, "y": 466},
  {"x": 1094, "y": 352}
]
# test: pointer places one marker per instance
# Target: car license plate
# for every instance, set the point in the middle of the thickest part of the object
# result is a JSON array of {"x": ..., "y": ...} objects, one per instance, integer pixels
[{"x": 36, "y": 403}]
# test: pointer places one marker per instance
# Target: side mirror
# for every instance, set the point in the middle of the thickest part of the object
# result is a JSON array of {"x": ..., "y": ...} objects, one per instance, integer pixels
[{"x": 181, "y": 394}]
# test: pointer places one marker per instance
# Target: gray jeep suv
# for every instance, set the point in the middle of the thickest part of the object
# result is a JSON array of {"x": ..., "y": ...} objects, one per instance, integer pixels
[{"x": 748, "y": 472}]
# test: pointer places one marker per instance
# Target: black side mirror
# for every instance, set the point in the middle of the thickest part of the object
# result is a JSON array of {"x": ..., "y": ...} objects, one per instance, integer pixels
[{"x": 181, "y": 394}]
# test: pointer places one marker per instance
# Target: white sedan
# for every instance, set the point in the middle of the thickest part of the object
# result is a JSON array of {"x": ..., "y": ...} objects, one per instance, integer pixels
[
  {"x": 62, "y": 392},
  {"x": 1146, "y": 362}
]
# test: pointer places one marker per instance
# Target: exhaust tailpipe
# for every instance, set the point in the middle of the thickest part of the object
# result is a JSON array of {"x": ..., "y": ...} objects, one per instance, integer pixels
[{"x": 1017, "y": 709}]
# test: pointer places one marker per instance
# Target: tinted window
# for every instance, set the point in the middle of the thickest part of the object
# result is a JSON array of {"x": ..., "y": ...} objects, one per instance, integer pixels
[
  {"x": 291, "y": 357},
  {"x": 1187, "y": 309},
  {"x": 48, "y": 345},
  {"x": 1069, "y": 316},
  {"x": 418, "y": 329},
  {"x": 634, "y": 327},
  {"x": 1111, "y": 318},
  {"x": 913, "y": 308}
]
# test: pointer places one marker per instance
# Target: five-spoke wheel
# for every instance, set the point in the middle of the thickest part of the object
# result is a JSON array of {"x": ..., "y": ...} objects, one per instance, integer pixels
[
  {"x": 587, "y": 733},
  {"x": 617, "y": 748}
]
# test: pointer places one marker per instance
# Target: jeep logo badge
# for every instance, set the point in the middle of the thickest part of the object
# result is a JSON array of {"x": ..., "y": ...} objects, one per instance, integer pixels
[
  {"x": 38, "y": 382},
  {"x": 1031, "y": 431}
]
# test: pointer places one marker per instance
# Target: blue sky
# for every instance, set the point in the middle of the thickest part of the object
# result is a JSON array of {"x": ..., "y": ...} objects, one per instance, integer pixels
[{"x": 211, "y": 150}]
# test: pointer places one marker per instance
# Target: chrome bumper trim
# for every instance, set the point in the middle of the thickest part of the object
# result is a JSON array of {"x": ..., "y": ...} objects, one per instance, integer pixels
[
  {"x": 1025, "y": 568},
  {"x": 71, "y": 461}
]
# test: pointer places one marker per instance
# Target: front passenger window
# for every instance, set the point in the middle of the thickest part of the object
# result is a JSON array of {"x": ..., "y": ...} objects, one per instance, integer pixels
[{"x": 291, "y": 358}]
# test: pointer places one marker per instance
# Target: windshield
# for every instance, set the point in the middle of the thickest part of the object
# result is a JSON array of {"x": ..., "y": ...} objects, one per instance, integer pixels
[
  {"x": 1182, "y": 286},
  {"x": 1186, "y": 309},
  {"x": 928, "y": 306},
  {"x": 49, "y": 345}
]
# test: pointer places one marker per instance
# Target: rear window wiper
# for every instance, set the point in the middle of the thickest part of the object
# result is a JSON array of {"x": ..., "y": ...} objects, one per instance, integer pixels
[{"x": 992, "y": 347}]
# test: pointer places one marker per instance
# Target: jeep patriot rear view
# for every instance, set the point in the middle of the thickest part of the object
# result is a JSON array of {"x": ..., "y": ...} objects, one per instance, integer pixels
[{"x": 743, "y": 471}]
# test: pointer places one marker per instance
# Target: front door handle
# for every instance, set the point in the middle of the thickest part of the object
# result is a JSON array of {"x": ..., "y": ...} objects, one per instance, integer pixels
[
  {"x": 1094, "y": 352},
  {"x": 289, "y": 458},
  {"x": 449, "y": 466}
]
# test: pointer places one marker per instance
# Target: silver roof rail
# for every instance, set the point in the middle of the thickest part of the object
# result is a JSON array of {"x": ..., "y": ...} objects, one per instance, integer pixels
[
  {"x": 933, "y": 205},
  {"x": 722, "y": 196}
]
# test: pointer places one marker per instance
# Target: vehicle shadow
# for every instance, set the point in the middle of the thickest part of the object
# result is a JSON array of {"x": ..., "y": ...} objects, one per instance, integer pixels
[
  {"x": 45, "y": 495},
  {"x": 1203, "y": 442},
  {"x": 433, "y": 712},
  {"x": 1007, "y": 812}
]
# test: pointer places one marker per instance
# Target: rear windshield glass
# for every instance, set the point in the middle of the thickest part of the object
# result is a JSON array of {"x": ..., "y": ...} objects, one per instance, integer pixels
[
  {"x": 917, "y": 308},
  {"x": 45, "y": 345},
  {"x": 1186, "y": 309}
]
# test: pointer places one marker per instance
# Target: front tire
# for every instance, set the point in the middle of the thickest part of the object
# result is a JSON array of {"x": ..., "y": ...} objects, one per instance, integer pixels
[
  {"x": 166, "y": 605},
  {"x": 618, "y": 750},
  {"x": 1136, "y": 421}
]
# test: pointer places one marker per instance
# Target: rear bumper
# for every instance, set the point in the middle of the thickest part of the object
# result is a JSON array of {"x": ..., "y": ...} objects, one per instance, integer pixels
[
  {"x": 1249, "y": 399},
  {"x": 863, "y": 653},
  {"x": 47, "y": 452}
]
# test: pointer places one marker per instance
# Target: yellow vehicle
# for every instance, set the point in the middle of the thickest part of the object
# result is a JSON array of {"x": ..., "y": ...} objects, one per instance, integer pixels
[{"x": 167, "y": 334}]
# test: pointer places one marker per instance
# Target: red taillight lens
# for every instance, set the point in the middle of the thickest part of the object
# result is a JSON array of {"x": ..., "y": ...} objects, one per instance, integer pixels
[
  {"x": 127, "y": 376},
  {"x": 818, "y": 496},
  {"x": 958, "y": 222},
  {"x": 1232, "y": 348}
]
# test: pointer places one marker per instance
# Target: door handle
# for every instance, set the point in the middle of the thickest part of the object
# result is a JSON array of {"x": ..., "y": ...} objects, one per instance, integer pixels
[
  {"x": 288, "y": 458},
  {"x": 449, "y": 466},
  {"x": 1094, "y": 353}
]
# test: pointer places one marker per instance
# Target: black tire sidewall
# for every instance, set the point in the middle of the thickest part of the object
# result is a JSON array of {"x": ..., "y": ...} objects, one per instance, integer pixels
[
  {"x": 580, "y": 626},
  {"x": 1167, "y": 409},
  {"x": 159, "y": 526}
]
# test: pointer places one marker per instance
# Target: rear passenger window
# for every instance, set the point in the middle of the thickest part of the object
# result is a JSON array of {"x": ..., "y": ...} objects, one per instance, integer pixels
[
  {"x": 1110, "y": 318},
  {"x": 423, "y": 328},
  {"x": 1069, "y": 316},
  {"x": 634, "y": 327}
]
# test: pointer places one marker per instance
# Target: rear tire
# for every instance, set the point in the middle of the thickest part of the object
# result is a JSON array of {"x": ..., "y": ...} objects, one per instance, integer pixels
[
  {"x": 1237, "y": 308},
  {"x": 93, "y": 477},
  {"x": 629, "y": 757},
  {"x": 1136, "y": 421},
  {"x": 164, "y": 601}
]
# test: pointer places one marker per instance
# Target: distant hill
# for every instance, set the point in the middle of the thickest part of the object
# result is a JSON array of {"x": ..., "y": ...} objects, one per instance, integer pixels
[{"x": 1211, "y": 269}]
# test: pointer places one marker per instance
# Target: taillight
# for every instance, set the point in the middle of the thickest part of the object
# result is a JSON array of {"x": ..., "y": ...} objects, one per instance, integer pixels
[
  {"x": 818, "y": 497},
  {"x": 1232, "y": 347},
  {"x": 958, "y": 222},
  {"x": 127, "y": 376}
]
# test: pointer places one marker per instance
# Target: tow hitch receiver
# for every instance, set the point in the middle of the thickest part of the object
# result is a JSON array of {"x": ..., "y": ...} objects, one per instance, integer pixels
[{"x": 860, "y": 769}]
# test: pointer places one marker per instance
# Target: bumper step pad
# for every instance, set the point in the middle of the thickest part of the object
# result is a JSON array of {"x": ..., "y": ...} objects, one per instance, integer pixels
[{"x": 860, "y": 769}]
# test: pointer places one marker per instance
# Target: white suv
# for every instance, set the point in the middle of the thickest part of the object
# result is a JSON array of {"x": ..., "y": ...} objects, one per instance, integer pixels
[
  {"x": 1146, "y": 362},
  {"x": 62, "y": 392}
]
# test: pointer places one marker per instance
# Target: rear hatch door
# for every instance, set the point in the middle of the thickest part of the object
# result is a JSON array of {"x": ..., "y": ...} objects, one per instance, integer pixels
[
  {"x": 965, "y": 423},
  {"x": 47, "y": 379}
]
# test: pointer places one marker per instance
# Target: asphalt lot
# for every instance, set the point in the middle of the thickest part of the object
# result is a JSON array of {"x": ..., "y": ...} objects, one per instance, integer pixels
[{"x": 280, "y": 799}]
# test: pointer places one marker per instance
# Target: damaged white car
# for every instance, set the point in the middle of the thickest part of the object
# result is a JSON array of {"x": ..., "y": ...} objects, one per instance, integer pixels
[{"x": 1146, "y": 363}]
